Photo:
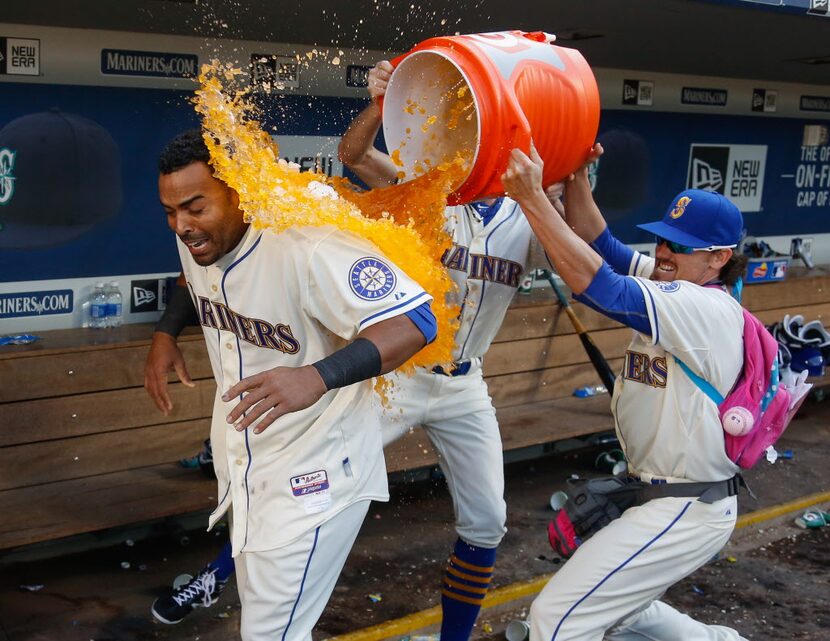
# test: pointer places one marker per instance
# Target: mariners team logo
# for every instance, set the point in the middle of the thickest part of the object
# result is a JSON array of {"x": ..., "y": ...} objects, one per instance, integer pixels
[
  {"x": 6, "y": 175},
  {"x": 667, "y": 286},
  {"x": 680, "y": 207},
  {"x": 371, "y": 279}
]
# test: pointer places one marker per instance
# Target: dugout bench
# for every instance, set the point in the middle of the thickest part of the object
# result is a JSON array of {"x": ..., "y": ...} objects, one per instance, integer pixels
[{"x": 82, "y": 447}]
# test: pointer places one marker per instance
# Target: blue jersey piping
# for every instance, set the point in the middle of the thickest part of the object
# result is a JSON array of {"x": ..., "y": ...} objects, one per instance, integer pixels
[
  {"x": 241, "y": 376},
  {"x": 484, "y": 282}
]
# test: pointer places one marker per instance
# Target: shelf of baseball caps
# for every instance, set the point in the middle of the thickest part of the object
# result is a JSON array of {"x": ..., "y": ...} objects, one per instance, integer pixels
[{"x": 82, "y": 448}]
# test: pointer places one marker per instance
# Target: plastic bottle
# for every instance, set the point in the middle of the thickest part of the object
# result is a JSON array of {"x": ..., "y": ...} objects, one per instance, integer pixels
[
  {"x": 98, "y": 307},
  {"x": 114, "y": 305},
  {"x": 590, "y": 390}
]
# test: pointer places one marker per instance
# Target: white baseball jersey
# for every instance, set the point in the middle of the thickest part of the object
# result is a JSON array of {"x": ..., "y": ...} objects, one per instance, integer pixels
[
  {"x": 670, "y": 430},
  {"x": 487, "y": 263},
  {"x": 668, "y": 426},
  {"x": 290, "y": 299}
]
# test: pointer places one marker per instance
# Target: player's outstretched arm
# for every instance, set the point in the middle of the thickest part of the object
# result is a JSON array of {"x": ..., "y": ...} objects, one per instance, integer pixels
[
  {"x": 573, "y": 259},
  {"x": 164, "y": 355},
  {"x": 376, "y": 350},
  {"x": 581, "y": 211},
  {"x": 357, "y": 149}
]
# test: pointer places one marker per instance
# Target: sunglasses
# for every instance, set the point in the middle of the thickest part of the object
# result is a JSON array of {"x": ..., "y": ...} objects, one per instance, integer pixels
[{"x": 677, "y": 248}]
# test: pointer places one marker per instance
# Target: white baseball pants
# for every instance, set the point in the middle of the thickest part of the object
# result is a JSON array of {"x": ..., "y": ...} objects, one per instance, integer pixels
[
  {"x": 284, "y": 591},
  {"x": 609, "y": 588},
  {"x": 458, "y": 417}
]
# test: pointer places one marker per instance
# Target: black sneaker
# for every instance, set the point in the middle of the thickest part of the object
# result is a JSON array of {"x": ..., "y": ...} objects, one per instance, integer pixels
[
  {"x": 200, "y": 592},
  {"x": 205, "y": 458}
]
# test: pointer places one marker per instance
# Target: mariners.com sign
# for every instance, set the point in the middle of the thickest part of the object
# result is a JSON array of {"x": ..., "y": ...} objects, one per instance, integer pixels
[
  {"x": 155, "y": 64},
  {"x": 736, "y": 171},
  {"x": 58, "y": 301}
]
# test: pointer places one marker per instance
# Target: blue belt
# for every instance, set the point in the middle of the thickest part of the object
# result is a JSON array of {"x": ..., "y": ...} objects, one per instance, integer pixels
[{"x": 459, "y": 369}]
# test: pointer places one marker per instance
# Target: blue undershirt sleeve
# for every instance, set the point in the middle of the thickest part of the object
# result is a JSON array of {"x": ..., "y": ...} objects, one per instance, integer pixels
[
  {"x": 618, "y": 297},
  {"x": 618, "y": 255},
  {"x": 424, "y": 320}
]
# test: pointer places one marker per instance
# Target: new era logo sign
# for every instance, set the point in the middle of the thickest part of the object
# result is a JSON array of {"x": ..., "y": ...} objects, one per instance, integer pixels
[
  {"x": 819, "y": 6},
  {"x": 736, "y": 171},
  {"x": 764, "y": 100},
  {"x": 274, "y": 73},
  {"x": 143, "y": 296},
  {"x": 705, "y": 176},
  {"x": 20, "y": 56},
  {"x": 638, "y": 92}
]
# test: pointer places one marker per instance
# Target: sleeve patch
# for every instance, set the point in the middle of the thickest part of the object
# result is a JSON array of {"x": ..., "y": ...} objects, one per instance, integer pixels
[
  {"x": 371, "y": 279},
  {"x": 672, "y": 286}
]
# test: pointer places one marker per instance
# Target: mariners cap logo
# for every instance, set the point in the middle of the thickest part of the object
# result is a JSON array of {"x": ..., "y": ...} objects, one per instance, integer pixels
[
  {"x": 680, "y": 207},
  {"x": 371, "y": 279},
  {"x": 6, "y": 175}
]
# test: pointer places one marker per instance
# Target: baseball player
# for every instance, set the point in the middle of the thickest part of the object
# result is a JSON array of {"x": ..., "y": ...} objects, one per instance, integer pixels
[
  {"x": 295, "y": 324},
  {"x": 491, "y": 249},
  {"x": 678, "y": 307}
]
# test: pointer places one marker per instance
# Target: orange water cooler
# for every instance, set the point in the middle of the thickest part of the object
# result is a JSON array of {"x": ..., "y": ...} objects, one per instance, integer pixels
[{"x": 484, "y": 94}]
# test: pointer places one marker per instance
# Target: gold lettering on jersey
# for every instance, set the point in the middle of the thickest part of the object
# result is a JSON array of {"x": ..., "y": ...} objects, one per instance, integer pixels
[
  {"x": 223, "y": 314},
  {"x": 482, "y": 267},
  {"x": 456, "y": 258},
  {"x": 644, "y": 369},
  {"x": 290, "y": 345},
  {"x": 255, "y": 331},
  {"x": 206, "y": 317},
  {"x": 244, "y": 325}
]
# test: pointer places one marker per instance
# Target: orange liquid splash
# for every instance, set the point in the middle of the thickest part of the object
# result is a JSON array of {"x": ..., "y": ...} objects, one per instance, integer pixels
[{"x": 404, "y": 221}]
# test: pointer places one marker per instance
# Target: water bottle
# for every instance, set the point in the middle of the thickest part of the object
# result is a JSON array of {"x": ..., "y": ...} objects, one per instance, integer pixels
[
  {"x": 114, "y": 307},
  {"x": 590, "y": 390},
  {"x": 98, "y": 307}
]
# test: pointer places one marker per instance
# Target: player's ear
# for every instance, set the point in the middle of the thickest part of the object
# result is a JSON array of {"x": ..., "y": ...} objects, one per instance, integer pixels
[
  {"x": 234, "y": 198},
  {"x": 718, "y": 259}
]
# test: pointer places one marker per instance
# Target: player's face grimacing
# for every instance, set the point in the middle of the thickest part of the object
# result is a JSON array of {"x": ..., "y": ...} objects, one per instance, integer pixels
[
  {"x": 699, "y": 267},
  {"x": 202, "y": 211}
]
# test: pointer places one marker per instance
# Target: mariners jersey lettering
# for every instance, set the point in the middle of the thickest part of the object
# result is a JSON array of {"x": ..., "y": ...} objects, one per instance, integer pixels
[
  {"x": 290, "y": 299},
  {"x": 670, "y": 429},
  {"x": 256, "y": 331},
  {"x": 486, "y": 263},
  {"x": 478, "y": 267}
]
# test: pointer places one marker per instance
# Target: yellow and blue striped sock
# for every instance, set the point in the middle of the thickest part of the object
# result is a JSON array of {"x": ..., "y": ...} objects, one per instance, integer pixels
[{"x": 468, "y": 576}]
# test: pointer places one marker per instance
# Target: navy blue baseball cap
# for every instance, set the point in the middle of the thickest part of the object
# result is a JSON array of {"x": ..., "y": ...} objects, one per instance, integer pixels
[
  {"x": 62, "y": 176},
  {"x": 700, "y": 219}
]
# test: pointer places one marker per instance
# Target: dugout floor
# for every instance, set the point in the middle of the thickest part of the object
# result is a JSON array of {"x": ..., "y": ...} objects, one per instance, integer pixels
[{"x": 776, "y": 587}]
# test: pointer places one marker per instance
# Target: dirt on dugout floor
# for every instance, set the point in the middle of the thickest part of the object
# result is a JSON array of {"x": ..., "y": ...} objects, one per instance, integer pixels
[{"x": 776, "y": 587}]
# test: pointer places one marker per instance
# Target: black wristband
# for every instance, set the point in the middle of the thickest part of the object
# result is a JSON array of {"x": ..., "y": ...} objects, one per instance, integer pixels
[
  {"x": 358, "y": 361},
  {"x": 179, "y": 313}
]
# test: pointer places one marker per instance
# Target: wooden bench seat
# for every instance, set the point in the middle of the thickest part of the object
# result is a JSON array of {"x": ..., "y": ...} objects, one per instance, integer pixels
[{"x": 82, "y": 448}]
